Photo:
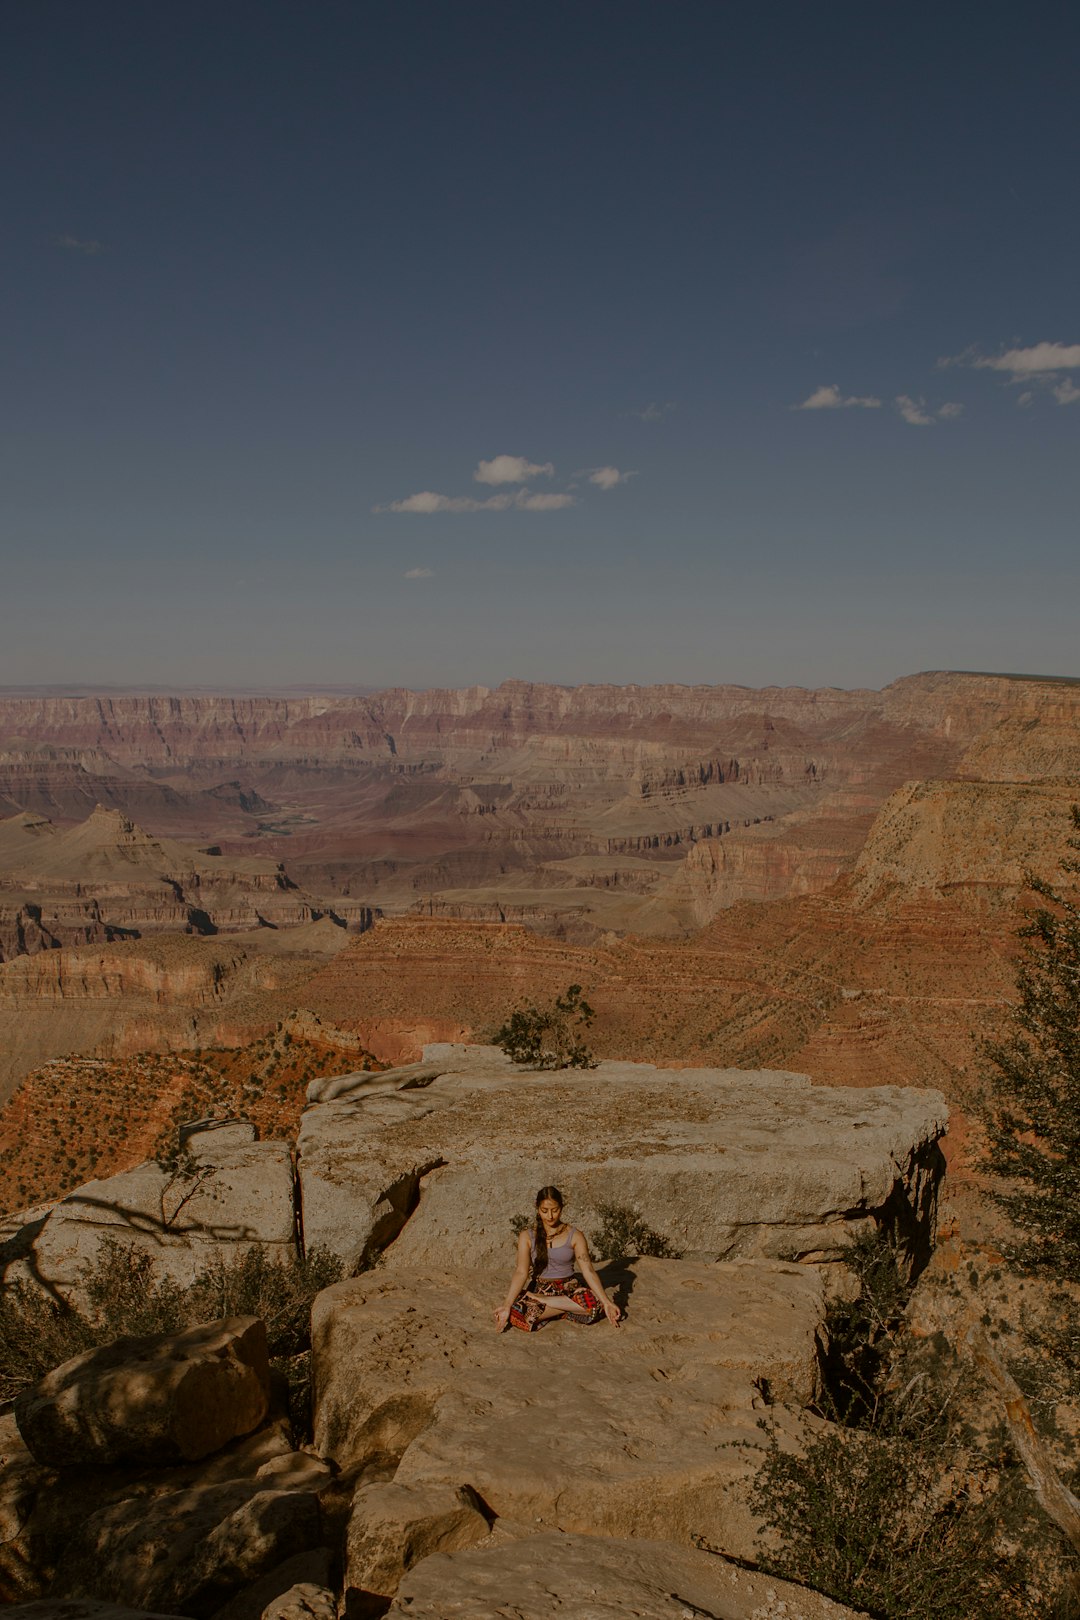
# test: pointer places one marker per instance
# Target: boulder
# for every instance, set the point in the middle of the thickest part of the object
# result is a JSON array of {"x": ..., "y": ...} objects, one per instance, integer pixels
[
  {"x": 306, "y": 1600},
  {"x": 547, "y": 1576},
  {"x": 168, "y": 1398},
  {"x": 392, "y": 1527},
  {"x": 233, "y": 1194},
  {"x": 299, "y": 1589},
  {"x": 649, "y": 1428},
  {"x": 21, "y": 1482},
  {"x": 722, "y": 1162}
]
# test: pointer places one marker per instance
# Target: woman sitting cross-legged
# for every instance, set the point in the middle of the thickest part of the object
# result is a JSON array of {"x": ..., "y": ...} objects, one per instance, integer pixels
[{"x": 554, "y": 1275}]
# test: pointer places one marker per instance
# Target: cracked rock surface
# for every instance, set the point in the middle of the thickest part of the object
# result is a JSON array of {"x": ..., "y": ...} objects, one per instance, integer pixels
[
  {"x": 578, "y": 1578},
  {"x": 722, "y": 1162},
  {"x": 646, "y": 1429}
]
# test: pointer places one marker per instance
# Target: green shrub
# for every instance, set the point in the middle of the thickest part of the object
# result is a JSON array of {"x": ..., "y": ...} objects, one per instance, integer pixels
[
  {"x": 624, "y": 1233},
  {"x": 896, "y": 1527},
  {"x": 549, "y": 1037},
  {"x": 899, "y": 1507},
  {"x": 124, "y": 1294}
]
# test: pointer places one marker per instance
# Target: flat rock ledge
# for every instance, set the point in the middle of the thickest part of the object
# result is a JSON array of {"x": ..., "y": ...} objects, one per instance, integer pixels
[
  {"x": 646, "y": 1429},
  {"x": 551, "y": 1575},
  {"x": 439, "y": 1157}
]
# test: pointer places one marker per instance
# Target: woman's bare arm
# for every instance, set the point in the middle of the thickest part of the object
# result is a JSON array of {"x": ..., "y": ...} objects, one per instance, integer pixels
[
  {"x": 588, "y": 1271},
  {"x": 522, "y": 1268}
]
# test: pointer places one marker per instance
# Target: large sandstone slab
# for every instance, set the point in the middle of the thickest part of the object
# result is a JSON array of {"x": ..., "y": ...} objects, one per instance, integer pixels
[
  {"x": 168, "y": 1398},
  {"x": 723, "y": 1162},
  {"x": 233, "y": 1194},
  {"x": 549, "y": 1577},
  {"x": 647, "y": 1429}
]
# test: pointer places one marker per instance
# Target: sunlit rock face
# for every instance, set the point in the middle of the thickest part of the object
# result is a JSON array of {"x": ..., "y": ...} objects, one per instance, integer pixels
[{"x": 722, "y": 1163}]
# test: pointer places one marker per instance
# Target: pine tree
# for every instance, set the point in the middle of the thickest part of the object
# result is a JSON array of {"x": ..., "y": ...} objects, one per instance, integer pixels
[{"x": 1033, "y": 1107}]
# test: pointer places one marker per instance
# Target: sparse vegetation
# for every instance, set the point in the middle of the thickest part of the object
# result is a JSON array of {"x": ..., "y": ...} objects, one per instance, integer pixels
[
  {"x": 907, "y": 1504},
  {"x": 549, "y": 1037},
  {"x": 125, "y": 1294},
  {"x": 76, "y": 1118},
  {"x": 624, "y": 1234}
]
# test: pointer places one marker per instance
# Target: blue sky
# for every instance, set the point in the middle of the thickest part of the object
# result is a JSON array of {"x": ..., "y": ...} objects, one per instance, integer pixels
[{"x": 435, "y": 344}]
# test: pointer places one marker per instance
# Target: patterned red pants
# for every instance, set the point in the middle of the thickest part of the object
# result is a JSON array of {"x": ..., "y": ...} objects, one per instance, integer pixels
[{"x": 528, "y": 1314}]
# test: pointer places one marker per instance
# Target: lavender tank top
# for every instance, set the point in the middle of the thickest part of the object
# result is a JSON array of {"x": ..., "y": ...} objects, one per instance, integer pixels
[{"x": 560, "y": 1266}]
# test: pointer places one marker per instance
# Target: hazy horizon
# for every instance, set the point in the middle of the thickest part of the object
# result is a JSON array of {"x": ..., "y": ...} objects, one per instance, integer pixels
[{"x": 408, "y": 346}]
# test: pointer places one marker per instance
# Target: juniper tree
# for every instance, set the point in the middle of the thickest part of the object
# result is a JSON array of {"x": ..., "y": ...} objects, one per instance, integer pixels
[{"x": 1032, "y": 1110}]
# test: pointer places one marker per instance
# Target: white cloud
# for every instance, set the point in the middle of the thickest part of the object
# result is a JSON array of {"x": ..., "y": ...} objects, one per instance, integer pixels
[
  {"x": 916, "y": 412},
  {"x": 427, "y": 502},
  {"x": 78, "y": 244},
  {"x": 1066, "y": 392},
  {"x": 1025, "y": 399},
  {"x": 1039, "y": 360},
  {"x": 654, "y": 411},
  {"x": 607, "y": 477},
  {"x": 541, "y": 503},
  {"x": 913, "y": 411},
  {"x": 829, "y": 398},
  {"x": 419, "y": 573},
  {"x": 511, "y": 470}
]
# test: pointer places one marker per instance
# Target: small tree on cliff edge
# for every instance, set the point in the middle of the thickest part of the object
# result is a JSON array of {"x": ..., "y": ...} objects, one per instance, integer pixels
[
  {"x": 1033, "y": 1110},
  {"x": 549, "y": 1037}
]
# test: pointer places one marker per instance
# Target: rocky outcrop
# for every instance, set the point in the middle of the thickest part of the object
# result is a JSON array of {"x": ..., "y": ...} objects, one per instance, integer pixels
[
  {"x": 108, "y": 879},
  {"x": 392, "y": 1527},
  {"x": 721, "y": 1162},
  {"x": 647, "y": 1429},
  {"x": 185, "y": 1540},
  {"x": 233, "y": 1194},
  {"x": 974, "y": 842},
  {"x": 615, "y": 1579},
  {"x": 170, "y": 1398}
]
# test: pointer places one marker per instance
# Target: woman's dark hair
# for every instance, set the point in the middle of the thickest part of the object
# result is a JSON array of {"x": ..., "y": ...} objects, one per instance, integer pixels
[{"x": 540, "y": 1248}]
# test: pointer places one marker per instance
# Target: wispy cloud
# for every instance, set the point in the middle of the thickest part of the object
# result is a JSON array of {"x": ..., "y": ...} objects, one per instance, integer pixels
[
  {"x": 606, "y": 477},
  {"x": 829, "y": 398},
  {"x": 427, "y": 502},
  {"x": 1039, "y": 360},
  {"x": 78, "y": 244},
  {"x": 512, "y": 470},
  {"x": 419, "y": 573},
  {"x": 915, "y": 411},
  {"x": 541, "y": 503},
  {"x": 654, "y": 411},
  {"x": 1039, "y": 366}
]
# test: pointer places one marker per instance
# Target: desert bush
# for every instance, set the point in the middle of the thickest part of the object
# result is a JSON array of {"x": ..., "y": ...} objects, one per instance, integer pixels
[
  {"x": 896, "y": 1527},
  {"x": 279, "y": 1290},
  {"x": 624, "y": 1233},
  {"x": 124, "y": 1294},
  {"x": 549, "y": 1037},
  {"x": 902, "y": 1506}
]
